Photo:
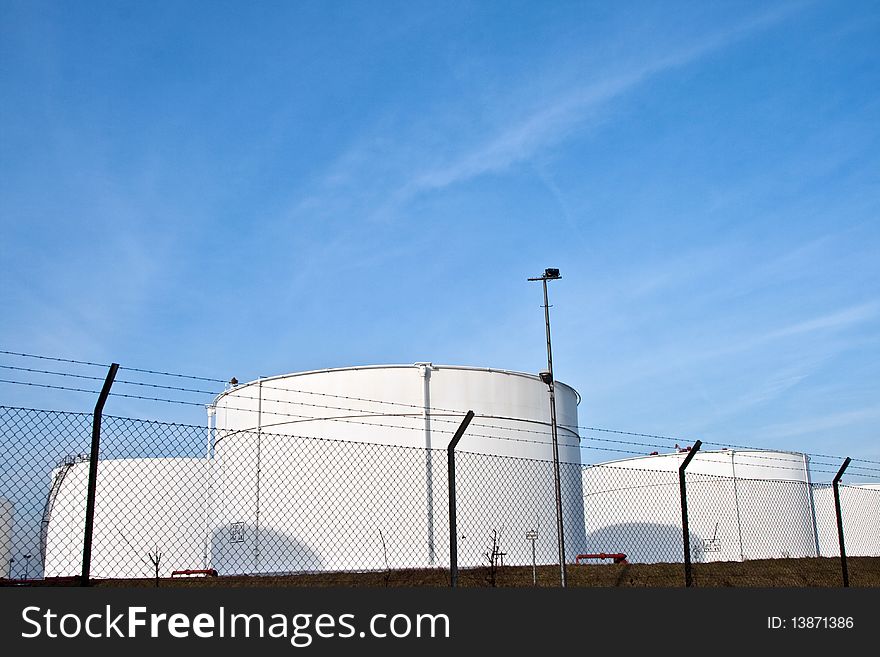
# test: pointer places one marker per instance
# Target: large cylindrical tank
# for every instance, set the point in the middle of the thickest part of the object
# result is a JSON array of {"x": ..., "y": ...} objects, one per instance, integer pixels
[
  {"x": 346, "y": 469},
  {"x": 748, "y": 504},
  {"x": 143, "y": 507},
  {"x": 860, "y": 512}
]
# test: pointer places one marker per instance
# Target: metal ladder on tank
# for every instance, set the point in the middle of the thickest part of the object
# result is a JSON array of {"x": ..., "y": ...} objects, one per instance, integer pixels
[{"x": 64, "y": 467}]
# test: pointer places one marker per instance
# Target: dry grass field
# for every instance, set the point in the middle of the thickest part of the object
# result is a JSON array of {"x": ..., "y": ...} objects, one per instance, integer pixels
[{"x": 822, "y": 572}]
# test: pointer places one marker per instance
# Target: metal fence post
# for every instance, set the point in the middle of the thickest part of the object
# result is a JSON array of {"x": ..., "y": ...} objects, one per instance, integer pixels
[
  {"x": 835, "y": 482},
  {"x": 688, "y": 574},
  {"x": 453, "y": 528},
  {"x": 93, "y": 474}
]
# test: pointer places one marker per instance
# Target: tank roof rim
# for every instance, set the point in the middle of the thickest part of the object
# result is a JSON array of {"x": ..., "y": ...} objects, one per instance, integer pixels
[
  {"x": 352, "y": 368},
  {"x": 702, "y": 451}
]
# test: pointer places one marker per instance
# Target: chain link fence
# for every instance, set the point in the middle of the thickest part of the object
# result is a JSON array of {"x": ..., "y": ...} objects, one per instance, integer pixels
[{"x": 175, "y": 500}]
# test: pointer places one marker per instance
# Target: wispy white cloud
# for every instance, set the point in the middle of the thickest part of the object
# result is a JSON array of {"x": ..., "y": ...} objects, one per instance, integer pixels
[
  {"x": 691, "y": 353},
  {"x": 765, "y": 389},
  {"x": 558, "y": 116},
  {"x": 817, "y": 423},
  {"x": 394, "y": 162},
  {"x": 853, "y": 315},
  {"x": 830, "y": 322}
]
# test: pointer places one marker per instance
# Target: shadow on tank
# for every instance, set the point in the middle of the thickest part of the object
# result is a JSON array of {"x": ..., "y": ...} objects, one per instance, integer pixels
[
  {"x": 239, "y": 549},
  {"x": 642, "y": 542}
]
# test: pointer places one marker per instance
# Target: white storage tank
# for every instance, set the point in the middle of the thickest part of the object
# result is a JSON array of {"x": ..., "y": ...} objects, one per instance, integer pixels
[
  {"x": 860, "y": 511},
  {"x": 346, "y": 469},
  {"x": 742, "y": 504},
  {"x": 142, "y": 506}
]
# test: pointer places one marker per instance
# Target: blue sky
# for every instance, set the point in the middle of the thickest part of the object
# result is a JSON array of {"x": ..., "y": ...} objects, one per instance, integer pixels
[{"x": 244, "y": 189}]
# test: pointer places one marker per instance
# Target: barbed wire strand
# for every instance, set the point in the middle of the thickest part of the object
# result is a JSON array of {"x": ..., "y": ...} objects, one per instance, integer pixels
[
  {"x": 544, "y": 432},
  {"x": 377, "y": 401},
  {"x": 130, "y": 369},
  {"x": 307, "y": 418},
  {"x": 54, "y": 358}
]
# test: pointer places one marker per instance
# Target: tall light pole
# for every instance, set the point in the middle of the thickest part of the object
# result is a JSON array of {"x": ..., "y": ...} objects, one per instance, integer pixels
[{"x": 551, "y": 274}]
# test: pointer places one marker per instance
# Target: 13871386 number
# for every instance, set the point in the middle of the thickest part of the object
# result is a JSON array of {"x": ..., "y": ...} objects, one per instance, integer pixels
[{"x": 821, "y": 622}]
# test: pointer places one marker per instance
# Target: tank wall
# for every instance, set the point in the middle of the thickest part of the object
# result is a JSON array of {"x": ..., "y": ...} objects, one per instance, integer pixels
[
  {"x": 860, "y": 510},
  {"x": 358, "y": 472},
  {"x": 142, "y": 506},
  {"x": 387, "y": 406},
  {"x": 638, "y": 512},
  {"x": 776, "y": 519},
  {"x": 775, "y": 507},
  {"x": 324, "y": 505},
  {"x": 778, "y": 466}
]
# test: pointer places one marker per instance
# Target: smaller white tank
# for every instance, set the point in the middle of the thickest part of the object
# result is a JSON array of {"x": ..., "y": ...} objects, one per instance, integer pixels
[
  {"x": 141, "y": 506},
  {"x": 860, "y": 511},
  {"x": 748, "y": 504}
]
